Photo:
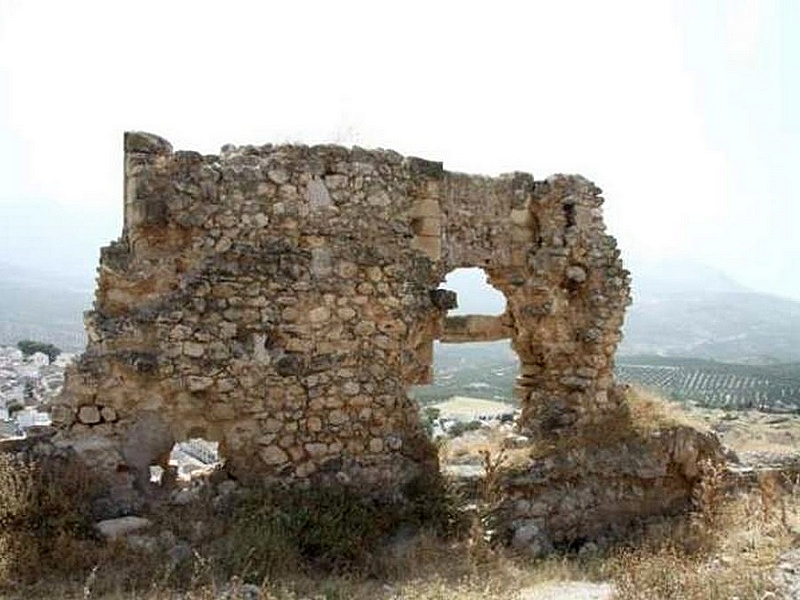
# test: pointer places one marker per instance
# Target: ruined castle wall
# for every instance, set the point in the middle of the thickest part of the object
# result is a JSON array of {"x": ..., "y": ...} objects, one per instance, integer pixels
[{"x": 281, "y": 299}]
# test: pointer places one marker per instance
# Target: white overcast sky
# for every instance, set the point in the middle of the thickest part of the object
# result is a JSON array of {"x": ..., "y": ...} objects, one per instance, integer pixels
[{"x": 687, "y": 114}]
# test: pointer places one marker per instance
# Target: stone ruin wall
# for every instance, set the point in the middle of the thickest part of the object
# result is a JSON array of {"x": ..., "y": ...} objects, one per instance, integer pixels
[{"x": 282, "y": 299}]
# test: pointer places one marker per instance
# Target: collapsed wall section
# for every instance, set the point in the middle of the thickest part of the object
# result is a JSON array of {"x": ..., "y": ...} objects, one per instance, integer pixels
[{"x": 281, "y": 299}]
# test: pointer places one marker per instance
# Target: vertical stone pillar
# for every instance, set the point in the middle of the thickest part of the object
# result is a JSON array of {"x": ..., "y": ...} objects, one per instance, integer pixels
[
  {"x": 569, "y": 314},
  {"x": 143, "y": 205}
]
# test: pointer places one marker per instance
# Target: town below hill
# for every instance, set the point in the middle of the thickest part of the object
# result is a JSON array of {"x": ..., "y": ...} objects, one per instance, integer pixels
[{"x": 29, "y": 383}]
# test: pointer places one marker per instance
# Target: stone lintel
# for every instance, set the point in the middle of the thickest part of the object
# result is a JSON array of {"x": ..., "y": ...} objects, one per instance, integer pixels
[{"x": 475, "y": 328}]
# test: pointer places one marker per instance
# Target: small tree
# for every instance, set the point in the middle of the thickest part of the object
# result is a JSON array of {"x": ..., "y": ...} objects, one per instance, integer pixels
[
  {"x": 430, "y": 415},
  {"x": 30, "y": 347}
]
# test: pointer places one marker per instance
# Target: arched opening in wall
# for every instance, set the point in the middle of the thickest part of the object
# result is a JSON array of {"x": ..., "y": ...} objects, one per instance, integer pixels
[
  {"x": 189, "y": 459},
  {"x": 474, "y": 366},
  {"x": 475, "y": 295}
]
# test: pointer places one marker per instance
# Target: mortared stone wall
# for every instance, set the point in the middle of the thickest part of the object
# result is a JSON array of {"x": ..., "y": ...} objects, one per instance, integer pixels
[{"x": 281, "y": 300}]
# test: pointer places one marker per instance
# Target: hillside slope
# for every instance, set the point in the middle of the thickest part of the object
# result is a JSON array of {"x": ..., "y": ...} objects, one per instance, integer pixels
[
  {"x": 684, "y": 309},
  {"x": 42, "y": 307}
]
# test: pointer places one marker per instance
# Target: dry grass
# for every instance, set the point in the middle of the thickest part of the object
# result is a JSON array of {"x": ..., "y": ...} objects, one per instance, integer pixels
[
  {"x": 326, "y": 545},
  {"x": 44, "y": 517},
  {"x": 428, "y": 568},
  {"x": 650, "y": 413},
  {"x": 432, "y": 571},
  {"x": 727, "y": 548}
]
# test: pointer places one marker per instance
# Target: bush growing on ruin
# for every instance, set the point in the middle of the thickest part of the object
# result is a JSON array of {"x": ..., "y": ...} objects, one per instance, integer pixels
[
  {"x": 333, "y": 528},
  {"x": 329, "y": 528},
  {"x": 430, "y": 415}
]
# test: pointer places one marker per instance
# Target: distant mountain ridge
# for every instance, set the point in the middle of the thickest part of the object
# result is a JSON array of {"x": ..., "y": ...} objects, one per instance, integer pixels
[
  {"x": 682, "y": 309},
  {"x": 675, "y": 276}
]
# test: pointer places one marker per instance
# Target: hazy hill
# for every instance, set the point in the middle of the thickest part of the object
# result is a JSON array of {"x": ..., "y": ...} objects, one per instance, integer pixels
[
  {"x": 685, "y": 309},
  {"x": 41, "y": 306},
  {"x": 48, "y": 256}
]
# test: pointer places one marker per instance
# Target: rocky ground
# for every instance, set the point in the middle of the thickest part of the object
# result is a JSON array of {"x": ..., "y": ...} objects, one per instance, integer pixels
[
  {"x": 763, "y": 450},
  {"x": 757, "y": 438}
]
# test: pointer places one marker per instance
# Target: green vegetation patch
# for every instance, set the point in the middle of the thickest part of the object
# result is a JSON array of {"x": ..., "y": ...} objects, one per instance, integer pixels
[
  {"x": 31, "y": 347},
  {"x": 333, "y": 528}
]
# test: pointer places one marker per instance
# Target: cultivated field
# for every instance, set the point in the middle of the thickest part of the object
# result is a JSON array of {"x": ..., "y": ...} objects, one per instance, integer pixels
[
  {"x": 488, "y": 371},
  {"x": 718, "y": 385}
]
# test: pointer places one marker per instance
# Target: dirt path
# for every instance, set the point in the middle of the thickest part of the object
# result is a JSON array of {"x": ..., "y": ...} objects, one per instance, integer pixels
[
  {"x": 787, "y": 573},
  {"x": 569, "y": 590}
]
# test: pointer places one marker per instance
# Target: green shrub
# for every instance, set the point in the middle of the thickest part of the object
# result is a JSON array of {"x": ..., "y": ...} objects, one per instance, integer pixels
[
  {"x": 429, "y": 416},
  {"x": 336, "y": 528},
  {"x": 460, "y": 427},
  {"x": 275, "y": 530},
  {"x": 30, "y": 347}
]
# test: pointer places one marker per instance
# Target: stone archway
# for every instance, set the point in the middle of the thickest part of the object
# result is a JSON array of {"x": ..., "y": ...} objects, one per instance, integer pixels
[{"x": 543, "y": 245}]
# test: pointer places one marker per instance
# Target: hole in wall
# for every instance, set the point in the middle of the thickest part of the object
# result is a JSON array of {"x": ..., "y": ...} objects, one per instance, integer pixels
[
  {"x": 472, "y": 382},
  {"x": 569, "y": 215},
  {"x": 481, "y": 370},
  {"x": 475, "y": 295},
  {"x": 188, "y": 459}
]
